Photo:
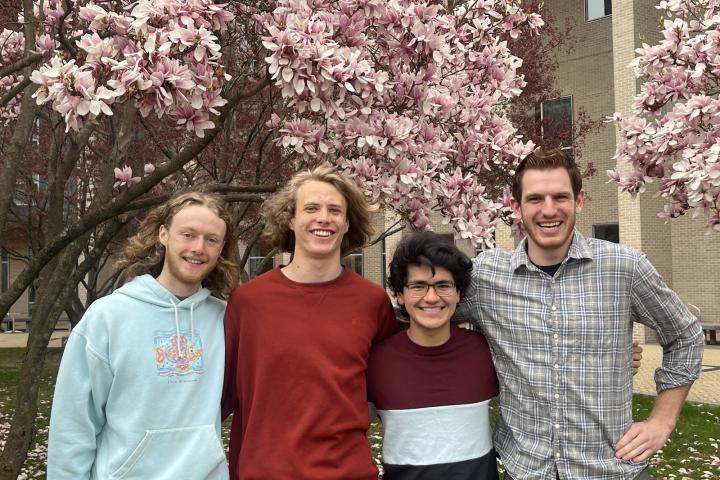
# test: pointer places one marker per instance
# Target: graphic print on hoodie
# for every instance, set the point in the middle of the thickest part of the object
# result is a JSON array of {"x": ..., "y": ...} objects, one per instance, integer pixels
[{"x": 181, "y": 357}]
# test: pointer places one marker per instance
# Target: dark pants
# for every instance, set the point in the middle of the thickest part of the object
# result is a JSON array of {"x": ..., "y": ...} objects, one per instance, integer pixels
[{"x": 644, "y": 475}]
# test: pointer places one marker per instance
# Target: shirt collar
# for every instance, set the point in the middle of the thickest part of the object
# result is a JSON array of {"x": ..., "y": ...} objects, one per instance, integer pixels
[{"x": 579, "y": 249}]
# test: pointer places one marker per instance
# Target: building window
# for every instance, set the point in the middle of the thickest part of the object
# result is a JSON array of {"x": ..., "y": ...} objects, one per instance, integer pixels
[
  {"x": 4, "y": 269},
  {"x": 554, "y": 119},
  {"x": 354, "y": 262},
  {"x": 254, "y": 261},
  {"x": 596, "y": 9},
  {"x": 608, "y": 231}
]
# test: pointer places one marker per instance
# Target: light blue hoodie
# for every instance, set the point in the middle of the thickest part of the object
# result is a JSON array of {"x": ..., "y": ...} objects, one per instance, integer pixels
[{"x": 133, "y": 403}]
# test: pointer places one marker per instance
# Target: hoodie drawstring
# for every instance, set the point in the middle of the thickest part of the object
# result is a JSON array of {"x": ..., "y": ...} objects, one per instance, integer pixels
[
  {"x": 192, "y": 329},
  {"x": 177, "y": 329}
]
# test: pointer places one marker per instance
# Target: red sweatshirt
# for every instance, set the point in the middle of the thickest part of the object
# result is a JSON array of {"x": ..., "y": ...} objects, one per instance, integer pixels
[{"x": 295, "y": 365}]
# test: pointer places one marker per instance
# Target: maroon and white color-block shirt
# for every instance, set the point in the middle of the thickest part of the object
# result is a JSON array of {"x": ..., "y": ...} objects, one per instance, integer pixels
[{"x": 433, "y": 402}]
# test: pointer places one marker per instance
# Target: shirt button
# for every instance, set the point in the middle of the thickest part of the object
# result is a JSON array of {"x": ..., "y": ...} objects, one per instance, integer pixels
[
  {"x": 557, "y": 395},
  {"x": 555, "y": 335},
  {"x": 553, "y": 308},
  {"x": 557, "y": 425},
  {"x": 557, "y": 366},
  {"x": 557, "y": 455}
]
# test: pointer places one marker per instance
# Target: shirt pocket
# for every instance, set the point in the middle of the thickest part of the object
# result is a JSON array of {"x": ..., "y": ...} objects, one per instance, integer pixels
[{"x": 176, "y": 453}]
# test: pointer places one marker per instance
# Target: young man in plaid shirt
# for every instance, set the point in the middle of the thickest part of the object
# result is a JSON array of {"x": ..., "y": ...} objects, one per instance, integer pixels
[{"x": 558, "y": 313}]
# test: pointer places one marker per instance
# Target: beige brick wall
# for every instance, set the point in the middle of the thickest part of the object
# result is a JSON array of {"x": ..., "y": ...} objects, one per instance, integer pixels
[{"x": 696, "y": 266}]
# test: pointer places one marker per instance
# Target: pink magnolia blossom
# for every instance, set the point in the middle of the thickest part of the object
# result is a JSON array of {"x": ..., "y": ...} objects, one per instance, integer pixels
[
  {"x": 405, "y": 97},
  {"x": 163, "y": 55},
  {"x": 124, "y": 177},
  {"x": 673, "y": 135}
]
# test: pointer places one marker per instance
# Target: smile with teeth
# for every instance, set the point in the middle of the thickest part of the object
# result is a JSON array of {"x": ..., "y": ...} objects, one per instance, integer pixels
[
  {"x": 194, "y": 261},
  {"x": 431, "y": 309},
  {"x": 549, "y": 224},
  {"x": 322, "y": 233}
]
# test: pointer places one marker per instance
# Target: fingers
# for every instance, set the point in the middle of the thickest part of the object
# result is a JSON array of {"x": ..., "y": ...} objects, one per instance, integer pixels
[
  {"x": 621, "y": 446},
  {"x": 636, "y": 357},
  {"x": 640, "y": 442}
]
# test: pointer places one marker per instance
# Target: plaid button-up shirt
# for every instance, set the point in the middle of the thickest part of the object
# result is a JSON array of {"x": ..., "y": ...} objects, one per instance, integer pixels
[{"x": 562, "y": 348}]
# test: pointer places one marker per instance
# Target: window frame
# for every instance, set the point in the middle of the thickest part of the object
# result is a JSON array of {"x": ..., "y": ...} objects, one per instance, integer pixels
[
  {"x": 598, "y": 226},
  {"x": 570, "y": 149},
  {"x": 606, "y": 3},
  {"x": 347, "y": 261},
  {"x": 254, "y": 259}
]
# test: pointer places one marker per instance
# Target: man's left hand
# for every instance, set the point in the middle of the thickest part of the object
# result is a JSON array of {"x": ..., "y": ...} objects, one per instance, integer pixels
[{"x": 642, "y": 440}]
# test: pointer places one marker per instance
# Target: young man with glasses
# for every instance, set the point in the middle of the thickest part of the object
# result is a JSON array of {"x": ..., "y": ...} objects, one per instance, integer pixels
[{"x": 435, "y": 415}]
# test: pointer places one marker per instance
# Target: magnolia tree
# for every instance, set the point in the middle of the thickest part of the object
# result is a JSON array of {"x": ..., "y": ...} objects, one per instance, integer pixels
[
  {"x": 113, "y": 103},
  {"x": 400, "y": 95},
  {"x": 674, "y": 133},
  {"x": 403, "y": 97}
]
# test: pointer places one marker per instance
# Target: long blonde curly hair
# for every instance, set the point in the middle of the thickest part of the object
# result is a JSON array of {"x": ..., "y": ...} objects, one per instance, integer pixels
[
  {"x": 280, "y": 209},
  {"x": 145, "y": 254}
]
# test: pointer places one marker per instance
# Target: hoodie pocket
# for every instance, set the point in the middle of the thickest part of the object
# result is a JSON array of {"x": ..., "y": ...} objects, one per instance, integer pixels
[{"x": 176, "y": 453}]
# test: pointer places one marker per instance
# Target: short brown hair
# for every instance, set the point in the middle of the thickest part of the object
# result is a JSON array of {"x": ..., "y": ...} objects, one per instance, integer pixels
[
  {"x": 145, "y": 254},
  {"x": 280, "y": 209},
  {"x": 541, "y": 160}
]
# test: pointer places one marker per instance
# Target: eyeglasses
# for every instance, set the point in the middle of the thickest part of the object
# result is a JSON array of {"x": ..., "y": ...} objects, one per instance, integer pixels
[{"x": 420, "y": 289}]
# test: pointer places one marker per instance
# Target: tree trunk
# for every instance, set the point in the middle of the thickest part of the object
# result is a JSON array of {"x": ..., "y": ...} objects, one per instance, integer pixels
[{"x": 54, "y": 291}]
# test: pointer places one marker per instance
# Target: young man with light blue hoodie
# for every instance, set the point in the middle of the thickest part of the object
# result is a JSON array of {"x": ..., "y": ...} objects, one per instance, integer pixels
[{"x": 138, "y": 392}]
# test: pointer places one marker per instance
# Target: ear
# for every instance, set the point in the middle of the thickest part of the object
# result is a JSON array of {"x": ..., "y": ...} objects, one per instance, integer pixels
[
  {"x": 291, "y": 223},
  {"x": 400, "y": 298},
  {"x": 515, "y": 205},
  {"x": 163, "y": 235},
  {"x": 580, "y": 201},
  {"x": 347, "y": 226}
]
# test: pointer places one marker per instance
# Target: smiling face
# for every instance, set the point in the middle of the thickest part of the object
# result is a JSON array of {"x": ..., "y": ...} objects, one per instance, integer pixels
[
  {"x": 320, "y": 221},
  {"x": 193, "y": 242},
  {"x": 548, "y": 209},
  {"x": 430, "y": 314}
]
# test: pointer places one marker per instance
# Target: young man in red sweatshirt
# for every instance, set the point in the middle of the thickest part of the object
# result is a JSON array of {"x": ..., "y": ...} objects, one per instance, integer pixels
[{"x": 298, "y": 337}]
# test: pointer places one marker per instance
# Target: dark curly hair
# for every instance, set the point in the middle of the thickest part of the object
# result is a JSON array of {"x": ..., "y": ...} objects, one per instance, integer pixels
[{"x": 431, "y": 250}]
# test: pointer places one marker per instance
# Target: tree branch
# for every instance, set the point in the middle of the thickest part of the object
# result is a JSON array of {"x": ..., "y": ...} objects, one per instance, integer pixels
[
  {"x": 32, "y": 59},
  {"x": 14, "y": 91}
]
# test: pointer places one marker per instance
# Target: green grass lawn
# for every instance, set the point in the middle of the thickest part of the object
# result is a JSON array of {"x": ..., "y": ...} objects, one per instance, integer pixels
[{"x": 692, "y": 452}]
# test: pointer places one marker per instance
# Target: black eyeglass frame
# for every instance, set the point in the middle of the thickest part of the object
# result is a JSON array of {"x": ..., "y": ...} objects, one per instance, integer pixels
[{"x": 415, "y": 292}]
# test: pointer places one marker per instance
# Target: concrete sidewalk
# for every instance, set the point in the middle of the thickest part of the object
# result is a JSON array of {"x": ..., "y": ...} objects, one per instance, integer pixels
[
  {"x": 19, "y": 339},
  {"x": 705, "y": 390}
]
